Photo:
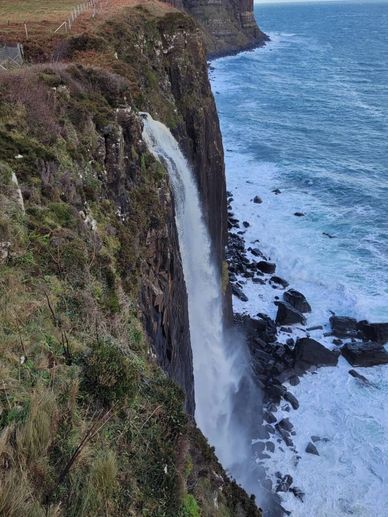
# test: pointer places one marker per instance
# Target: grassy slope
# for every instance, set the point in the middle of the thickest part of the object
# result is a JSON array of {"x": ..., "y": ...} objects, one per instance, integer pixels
[{"x": 75, "y": 365}]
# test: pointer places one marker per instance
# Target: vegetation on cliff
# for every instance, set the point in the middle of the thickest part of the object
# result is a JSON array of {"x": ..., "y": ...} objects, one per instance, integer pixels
[{"x": 89, "y": 422}]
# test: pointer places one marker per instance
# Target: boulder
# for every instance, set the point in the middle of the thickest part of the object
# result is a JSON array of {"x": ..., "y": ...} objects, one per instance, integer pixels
[
  {"x": 343, "y": 326},
  {"x": 288, "y": 315},
  {"x": 266, "y": 267},
  {"x": 309, "y": 352},
  {"x": 311, "y": 449},
  {"x": 297, "y": 300},
  {"x": 239, "y": 293},
  {"x": 376, "y": 332},
  {"x": 360, "y": 377},
  {"x": 257, "y": 200},
  {"x": 284, "y": 483},
  {"x": 246, "y": 224},
  {"x": 365, "y": 354},
  {"x": 291, "y": 399},
  {"x": 279, "y": 280},
  {"x": 299, "y": 214}
]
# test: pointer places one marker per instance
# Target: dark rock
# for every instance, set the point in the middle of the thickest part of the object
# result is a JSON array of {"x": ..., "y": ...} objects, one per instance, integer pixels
[
  {"x": 258, "y": 281},
  {"x": 294, "y": 380},
  {"x": 311, "y": 449},
  {"x": 284, "y": 483},
  {"x": 297, "y": 300},
  {"x": 279, "y": 280},
  {"x": 269, "y": 417},
  {"x": 337, "y": 341},
  {"x": 276, "y": 191},
  {"x": 297, "y": 493},
  {"x": 290, "y": 342},
  {"x": 309, "y": 352},
  {"x": 376, "y": 332},
  {"x": 315, "y": 439},
  {"x": 256, "y": 252},
  {"x": 257, "y": 200},
  {"x": 288, "y": 315},
  {"x": 270, "y": 446},
  {"x": 316, "y": 327},
  {"x": 299, "y": 214},
  {"x": 266, "y": 267},
  {"x": 239, "y": 293},
  {"x": 360, "y": 377},
  {"x": 328, "y": 235},
  {"x": 343, "y": 326},
  {"x": 285, "y": 424},
  {"x": 287, "y": 330},
  {"x": 365, "y": 354},
  {"x": 291, "y": 399},
  {"x": 246, "y": 224}
]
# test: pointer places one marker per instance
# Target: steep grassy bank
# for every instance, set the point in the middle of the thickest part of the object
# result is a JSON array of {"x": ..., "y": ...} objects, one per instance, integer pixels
[{"x": 92, "y": 296}]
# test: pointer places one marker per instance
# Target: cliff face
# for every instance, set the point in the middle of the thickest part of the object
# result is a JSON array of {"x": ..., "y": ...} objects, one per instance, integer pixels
[
  {"x": 92, "y": 292},
  {"x": 228, "y": 25}
]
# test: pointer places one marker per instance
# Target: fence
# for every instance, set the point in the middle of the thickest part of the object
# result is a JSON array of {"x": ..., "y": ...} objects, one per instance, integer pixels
[
  {"x": 77, "y": 11},
  {"x": 11, "y": 56}
]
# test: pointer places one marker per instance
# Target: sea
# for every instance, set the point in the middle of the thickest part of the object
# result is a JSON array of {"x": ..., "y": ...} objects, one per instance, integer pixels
[{"x": 305, "y": 127}]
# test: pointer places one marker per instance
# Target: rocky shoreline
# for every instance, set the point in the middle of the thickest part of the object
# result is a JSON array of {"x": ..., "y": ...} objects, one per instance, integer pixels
[{"x": 282, "y": 349}]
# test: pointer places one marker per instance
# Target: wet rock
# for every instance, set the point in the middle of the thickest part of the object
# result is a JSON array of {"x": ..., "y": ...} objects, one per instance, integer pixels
[
  {"x": 343, "y": 326},
  {"x": 270, "y": 446},
  {"x": 376, "y": 332},
  {"x": 246, "y": 224},
  {"x": 294, "y": 380},
  {"x": 276, "y": 191},
  {"x": 316, "y": 327},
  {"x": 365, "y": 354},
  {"x": 256, "y": 252},
  {"x": 297, "y": 300},
  {"x": 288, "y": 315},
  {"x": 360, "y": 377},
  {"x": 315, "y": 439},
  {"x": 299, "y": 214},
  {"x": 311, "y": 449},
  {"x": 291, "y": 399},
  {"x": 269, "y": 417},
  {"x": 279, "y": 280},
  {"x": 257, "y": 200},
  {"x": 284, "y": 483},
  {"x": 285, "y": 424},
  {"x": 239, "y": 293},
  {"x": 309, "y": 352},
  {"x": 328, "y": 235},
  {"x": 266, "y": 267},
  {"x": 257, "y": 280},
  {"x": 337, "y": 341},
  {"x": 297, "y": 493}
]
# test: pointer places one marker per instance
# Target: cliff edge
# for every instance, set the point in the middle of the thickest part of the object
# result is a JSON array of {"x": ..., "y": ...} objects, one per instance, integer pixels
[{"x": 96, "y": 400}]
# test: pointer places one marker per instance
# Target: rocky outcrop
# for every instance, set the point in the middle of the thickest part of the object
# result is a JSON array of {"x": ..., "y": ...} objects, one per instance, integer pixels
[{"x": 228, "y": 25}]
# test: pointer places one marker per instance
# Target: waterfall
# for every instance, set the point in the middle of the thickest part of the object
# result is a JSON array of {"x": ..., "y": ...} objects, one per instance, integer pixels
[{"x": 226, "y": 399}]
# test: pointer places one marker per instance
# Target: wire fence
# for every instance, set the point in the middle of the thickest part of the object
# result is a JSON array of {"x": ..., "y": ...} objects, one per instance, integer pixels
[{"x": 11, "y": 55}]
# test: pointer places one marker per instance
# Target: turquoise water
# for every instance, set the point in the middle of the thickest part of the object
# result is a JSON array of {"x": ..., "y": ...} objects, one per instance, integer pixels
[{"x": 309, "y": 115}]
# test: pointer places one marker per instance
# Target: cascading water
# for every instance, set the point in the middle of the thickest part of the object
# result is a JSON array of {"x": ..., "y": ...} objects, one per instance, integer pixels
[{"x": 227, "y": 400}]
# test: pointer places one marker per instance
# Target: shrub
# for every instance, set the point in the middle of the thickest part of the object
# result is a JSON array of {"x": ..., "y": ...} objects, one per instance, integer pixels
[
  {"x": 109, "y": 375},
  {"x": 190, "y": 507}
]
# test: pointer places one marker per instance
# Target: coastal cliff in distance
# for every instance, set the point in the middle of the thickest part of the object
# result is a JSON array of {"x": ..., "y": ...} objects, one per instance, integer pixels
[
  {"x": 96, "y": 401},
  {"x": 228, "y": 25}
]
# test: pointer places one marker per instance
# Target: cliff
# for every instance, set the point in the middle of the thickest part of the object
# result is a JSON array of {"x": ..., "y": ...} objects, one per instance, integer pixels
[
  {"x": 228, "y": 25},
  {"x": 93, "y": 306}
]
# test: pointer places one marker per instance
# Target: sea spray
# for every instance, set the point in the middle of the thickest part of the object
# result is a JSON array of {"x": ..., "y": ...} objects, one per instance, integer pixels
[{"x": 227, "y": 400}]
